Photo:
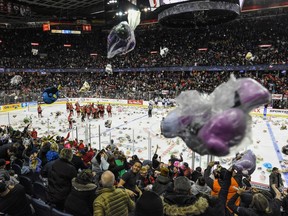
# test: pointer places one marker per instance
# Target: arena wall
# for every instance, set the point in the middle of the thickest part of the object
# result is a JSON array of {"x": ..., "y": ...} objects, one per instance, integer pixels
[{"x": 32, "y": 105}]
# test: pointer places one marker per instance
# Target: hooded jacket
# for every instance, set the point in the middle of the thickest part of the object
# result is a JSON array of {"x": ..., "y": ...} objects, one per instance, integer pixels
[
  {"x": 189, "y": 205},
  {"x": 80, "y": 200},
  {"x": 161, "y": 184},
  {"x": 196, "y": 189},
  {"x": 177, "y": 204}
]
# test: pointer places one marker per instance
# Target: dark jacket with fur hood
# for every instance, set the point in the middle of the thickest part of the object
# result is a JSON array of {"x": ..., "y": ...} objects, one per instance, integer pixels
[
  {"x": 80, "y": 200},
  {"x": 176, "y": 204},
  {"x": 188, "y": 205}
]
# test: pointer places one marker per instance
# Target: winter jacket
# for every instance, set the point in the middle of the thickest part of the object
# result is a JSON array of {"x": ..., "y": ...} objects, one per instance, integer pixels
[
  {"x": 196, "y": 189},
  {"x": 52, "y": 155},
  {"x": 275, "y": 205},
  {"x": 47, "y": 168},
  {"x": 78, "y": 163},
  {"x": 285, "y": 204},
  {"x": 59, "y": 180},
  {"x": 80, "y": 200},
  {"x": 176, "y": 204},
  {"x": 112, "y": 201},
  {"x": 42, "y": 153},
  {"x": 99, "y": 168},
  {"x": 15, "y": 202},
  {"x": 189, "y": 205},
  {"x": 216, "y": 184},
  {"x": 161, "y": 184}
]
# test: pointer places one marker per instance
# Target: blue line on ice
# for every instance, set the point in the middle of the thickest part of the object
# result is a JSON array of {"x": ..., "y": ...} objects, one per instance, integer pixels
[{"x": 276, "y": 147}]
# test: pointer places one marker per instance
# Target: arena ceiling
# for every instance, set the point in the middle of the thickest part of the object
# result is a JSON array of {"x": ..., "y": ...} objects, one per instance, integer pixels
[{"x": 97, "y": 10}]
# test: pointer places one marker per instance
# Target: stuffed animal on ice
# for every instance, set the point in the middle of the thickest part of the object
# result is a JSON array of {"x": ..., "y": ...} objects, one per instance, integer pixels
[
  {"x": 164, "y": 51},
  {"x": 246, "y": 164},
  {"x": 50, "y": 95},
  {"x": 285, "y": 149},
  {"x": 85, "y": 87},
  {"x": 212, "y": 124},
  {"x": 108, "y": 123}
]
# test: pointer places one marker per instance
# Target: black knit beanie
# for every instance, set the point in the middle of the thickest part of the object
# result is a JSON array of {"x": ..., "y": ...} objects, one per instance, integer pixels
[{"x": 149, "y": 204}]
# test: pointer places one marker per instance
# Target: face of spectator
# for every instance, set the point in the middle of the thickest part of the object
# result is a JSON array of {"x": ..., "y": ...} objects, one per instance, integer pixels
[
  {"x": 276, "y": 171},
  {"x": 175, "y": 169},
  {"x": 143, "y": 174},
  {"x": 33, "y": 156},
  {"x": 136, "y": 167}
]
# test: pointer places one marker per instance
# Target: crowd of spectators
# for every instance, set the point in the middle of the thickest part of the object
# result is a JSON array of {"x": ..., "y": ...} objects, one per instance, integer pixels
[
  {"x": 80, "y": 180},
  {"x": 128, "y": 85},
  {"x": 226, "y": 45}
]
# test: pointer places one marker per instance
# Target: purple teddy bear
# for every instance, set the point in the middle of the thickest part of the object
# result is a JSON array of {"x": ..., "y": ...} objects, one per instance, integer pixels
[{"x": 211, "y": 124}]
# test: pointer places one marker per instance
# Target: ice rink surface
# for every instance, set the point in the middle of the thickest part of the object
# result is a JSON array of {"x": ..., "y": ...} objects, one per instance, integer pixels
[{"x": 135, "y": 133}]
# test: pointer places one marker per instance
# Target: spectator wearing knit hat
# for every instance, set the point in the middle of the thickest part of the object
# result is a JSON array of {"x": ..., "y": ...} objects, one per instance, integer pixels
[
  {"x": 80, "y": 200},
  {"x": 59, "y": 178},
  {"x": 13, "y": 200},
  {"x": 200, "y": 187},
  {"x": 196, "y": 174},
  {"x": 182, "y": 202},
  {"x": 162, "y": 182},
  {"x": 149, "y": 204}
]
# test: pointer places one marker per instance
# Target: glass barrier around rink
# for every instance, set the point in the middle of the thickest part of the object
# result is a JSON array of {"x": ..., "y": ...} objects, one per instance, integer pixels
[{"x": 138, "y": 141}]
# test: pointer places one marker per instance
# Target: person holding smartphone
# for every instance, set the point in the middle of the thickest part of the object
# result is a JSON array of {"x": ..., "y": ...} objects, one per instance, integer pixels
[{"x": 216, "y": 183}]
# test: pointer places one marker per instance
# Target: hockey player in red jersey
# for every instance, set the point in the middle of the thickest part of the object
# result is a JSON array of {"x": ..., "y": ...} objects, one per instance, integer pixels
[
  {"x": 39, "y": 110},
  {"x": 78, "y": 109},
  {"x": 109, "y": 110},
  {"x": 70, "y": 120},
  {"x": 68, "y": 106}
]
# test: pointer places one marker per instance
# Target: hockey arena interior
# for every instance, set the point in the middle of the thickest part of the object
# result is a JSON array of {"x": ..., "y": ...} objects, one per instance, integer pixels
[{"x": 144, "y": 108}]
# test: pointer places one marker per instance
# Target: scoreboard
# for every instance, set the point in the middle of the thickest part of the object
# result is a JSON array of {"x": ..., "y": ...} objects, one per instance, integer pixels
[{"x": 63, "y": 29}]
